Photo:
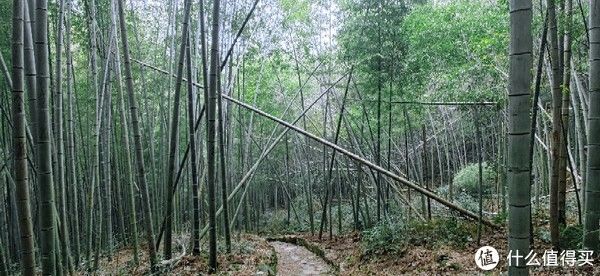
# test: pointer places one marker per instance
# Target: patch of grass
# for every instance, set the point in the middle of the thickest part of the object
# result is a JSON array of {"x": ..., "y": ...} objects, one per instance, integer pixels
[
  {"x": 500, "y": 218},
  {"x": 543, "y": 234},
  {"x": 443, "y": 231},
  {"x": 394, "y": 237},
  {"x": 570, "y": 237},
  {"x": 385, "y": 238}
]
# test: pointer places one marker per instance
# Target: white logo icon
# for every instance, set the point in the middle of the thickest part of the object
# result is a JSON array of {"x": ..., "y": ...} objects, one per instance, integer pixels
[{"x": 487, "y": 258}]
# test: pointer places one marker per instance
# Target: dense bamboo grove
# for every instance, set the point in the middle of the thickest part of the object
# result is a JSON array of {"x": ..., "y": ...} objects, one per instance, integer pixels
[{"x": 168, "y": 130}]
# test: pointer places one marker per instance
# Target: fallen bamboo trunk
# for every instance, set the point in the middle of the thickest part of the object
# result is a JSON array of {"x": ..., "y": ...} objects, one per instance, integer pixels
[
  {"x": 248, "y": 176},
  {"x": 402, "y": 180}
]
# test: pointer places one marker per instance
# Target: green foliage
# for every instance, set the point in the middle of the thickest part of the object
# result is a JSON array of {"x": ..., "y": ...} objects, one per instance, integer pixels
[
  {"x": 6, "y": 8},
  {"x": 370, "y": 40},
  {"x": 457, "y": 50},
  {"x": 570, "y": 237},
  {"x": 467, "y": 179},
  {"x": 277, "y": 223},
  {"x": 500, "y": 218},
  {"x": 296, "y": 10},
  {"x": 461, "y": 197},
  {"x": 451, "y": 51},
  {"x": 384, "y": 238},
  {"x": 543, "y": 234},
  {"x": 394, "y": 237}
]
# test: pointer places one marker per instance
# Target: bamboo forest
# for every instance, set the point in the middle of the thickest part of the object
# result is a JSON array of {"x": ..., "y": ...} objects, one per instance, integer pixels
[{"x": 299, "y": 137}]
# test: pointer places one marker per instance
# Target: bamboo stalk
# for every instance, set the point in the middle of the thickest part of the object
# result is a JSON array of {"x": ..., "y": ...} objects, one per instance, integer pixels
[{"x": 402, "y": 180}]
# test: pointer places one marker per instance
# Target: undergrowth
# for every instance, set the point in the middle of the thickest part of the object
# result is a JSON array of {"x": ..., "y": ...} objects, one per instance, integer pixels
[{"x": 395, "y": 237}]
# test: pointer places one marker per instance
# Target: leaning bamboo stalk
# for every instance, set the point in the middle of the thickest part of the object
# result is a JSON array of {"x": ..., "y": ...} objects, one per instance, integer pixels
[
  {"x": 174, "y": 134},
  {"x": 5, "y": 72},
  {"x": 402, "y": 180},
  {"x": 483, "y": 103},
  {"x": 239, "y": 33},
  {"x": 249, "y": 174}
]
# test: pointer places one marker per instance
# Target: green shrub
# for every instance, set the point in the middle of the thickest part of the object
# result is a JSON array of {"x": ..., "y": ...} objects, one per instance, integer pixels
[
  {"x": 570, "y": 237},
  {"x": 442, "y": 231},
  {"x": 467, "y": 179},
  {"x": 384, "y": 237},
  {"x": 394, "y": 237},
  {"x": 464, "y": 199}
]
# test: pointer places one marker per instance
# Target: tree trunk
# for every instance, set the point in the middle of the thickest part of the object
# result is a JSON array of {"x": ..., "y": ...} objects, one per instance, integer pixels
[
  {"x": 137, "y": 139},
  {"x": 222, "y": 165},
  {"x": 30, "y": 72},
  {"x": 425, "y": 203},
  {"x": 479, "y": 144},
  {"x": 332, "y": 160},
  {"x": 556, "y": 124},
  {"x": 193, "y": 163},
  {"x": 519, "y": 123},
  {"x": 71, "y": 137},
  {"x": 174, "y": 134},
  {"x": 210, "y": 133},
  {"x": 132, "y": 215},
  {"x": 20, "y": 145},
  {"x": 60, "y": 149},
  {"x": 564, "y": 130},
  {"x": 592, "y": 208},
  {"x": 43, "y": 144}
]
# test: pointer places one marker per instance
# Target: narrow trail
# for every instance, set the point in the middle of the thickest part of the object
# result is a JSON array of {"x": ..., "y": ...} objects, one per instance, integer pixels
[{"x": 297, "y": 260}]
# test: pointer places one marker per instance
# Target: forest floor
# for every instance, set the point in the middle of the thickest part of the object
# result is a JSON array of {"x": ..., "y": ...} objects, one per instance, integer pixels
[
  {"x": 306, "y": 254},
  {"x": 427, "y": 258},
  {"x": 250, "y": 255},
  {"x": 414, "y": 259}
]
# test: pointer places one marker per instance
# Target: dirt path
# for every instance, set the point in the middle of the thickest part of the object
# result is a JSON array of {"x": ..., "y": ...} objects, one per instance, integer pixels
[{"x": 297, "y": 260}]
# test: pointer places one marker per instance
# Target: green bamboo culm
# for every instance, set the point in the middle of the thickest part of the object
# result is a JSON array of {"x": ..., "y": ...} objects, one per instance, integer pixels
[
  {"x": 519, "y": 122},
  {"x": 20, "y": 146},
  {"x": 592, "y": 188},
  {"x": 43, "y": 143}
]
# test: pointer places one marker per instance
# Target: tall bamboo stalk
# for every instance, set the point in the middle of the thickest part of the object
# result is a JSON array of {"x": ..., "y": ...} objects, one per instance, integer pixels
[
  {"x": 43, "y": 144},
  {"x": 210, "y": 133},
  {"x": 174, "y": 134},
  {"x": 141, "y": 170},
  {"x": 519, "y": 124},
  {"x": 20, "y": 144},
  {"x": 592, "y": 208}
]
